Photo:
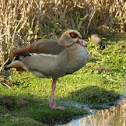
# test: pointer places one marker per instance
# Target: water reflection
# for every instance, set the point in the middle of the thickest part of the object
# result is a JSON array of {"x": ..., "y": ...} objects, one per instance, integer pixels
[{"x": 114, "y": 116}]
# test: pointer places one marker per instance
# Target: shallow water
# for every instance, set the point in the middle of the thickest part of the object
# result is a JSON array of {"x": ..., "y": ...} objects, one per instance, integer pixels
[
  {"x": 114, "y": 116},
  {"x": 105, "y": 117}
]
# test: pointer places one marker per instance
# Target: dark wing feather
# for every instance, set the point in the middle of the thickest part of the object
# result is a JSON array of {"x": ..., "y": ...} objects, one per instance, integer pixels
[{"x": 41, "y": 46}]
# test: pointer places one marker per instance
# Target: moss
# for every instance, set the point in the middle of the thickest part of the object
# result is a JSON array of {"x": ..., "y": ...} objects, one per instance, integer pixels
[
  {"x": 19, "y": 121},
  {"x": 46, "y": 115},
  {"x": 4, "y": 110},
  {"x": 94, "y": 95}
]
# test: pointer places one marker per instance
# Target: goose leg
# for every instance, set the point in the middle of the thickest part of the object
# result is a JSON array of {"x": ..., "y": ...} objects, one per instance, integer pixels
[{"x": 51, "y": 101}]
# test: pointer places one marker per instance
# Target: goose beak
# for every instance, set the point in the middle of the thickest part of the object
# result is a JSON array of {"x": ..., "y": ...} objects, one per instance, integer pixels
[{"x": 80, "y": 42}]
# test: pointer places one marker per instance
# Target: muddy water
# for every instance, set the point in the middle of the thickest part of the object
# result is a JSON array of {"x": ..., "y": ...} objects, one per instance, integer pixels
[{"x": 114, "y": 116}]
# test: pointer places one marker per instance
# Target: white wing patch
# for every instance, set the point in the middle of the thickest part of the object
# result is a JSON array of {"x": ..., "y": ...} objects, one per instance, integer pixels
[{"x": 42, "y": 54}]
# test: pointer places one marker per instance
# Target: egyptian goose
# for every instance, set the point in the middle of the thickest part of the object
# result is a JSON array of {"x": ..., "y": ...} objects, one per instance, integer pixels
[
  {"x": 95, "y": 39},
  {"x": 52, "y": 58}
]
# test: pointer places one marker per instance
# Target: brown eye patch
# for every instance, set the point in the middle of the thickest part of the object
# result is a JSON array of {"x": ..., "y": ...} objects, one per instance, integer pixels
[{"x": 73, "y": 35}]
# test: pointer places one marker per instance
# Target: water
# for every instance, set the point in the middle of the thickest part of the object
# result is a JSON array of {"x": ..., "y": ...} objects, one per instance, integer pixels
[
  {"x": 114, "y": 116},
  {"x": 105, "y": 117}
]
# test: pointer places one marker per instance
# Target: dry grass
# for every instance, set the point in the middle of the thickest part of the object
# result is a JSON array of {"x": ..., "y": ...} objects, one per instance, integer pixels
[{"x": 23, "y": 21}]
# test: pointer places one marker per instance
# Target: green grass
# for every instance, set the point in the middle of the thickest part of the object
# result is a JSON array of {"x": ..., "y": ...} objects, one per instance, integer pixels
[
  {"x": 101, "y": 81},
  {"x": 36, "y": 112}
]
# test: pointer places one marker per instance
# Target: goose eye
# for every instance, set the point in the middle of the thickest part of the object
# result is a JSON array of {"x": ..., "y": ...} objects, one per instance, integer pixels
[{"x": 73, "y": 35}]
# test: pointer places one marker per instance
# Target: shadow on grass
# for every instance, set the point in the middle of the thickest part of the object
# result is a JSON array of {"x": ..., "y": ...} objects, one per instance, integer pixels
[
  {"x": 34, "y": 111},
  {"x": 94, "y": 95},
  {"x": 39, "y": 113}
]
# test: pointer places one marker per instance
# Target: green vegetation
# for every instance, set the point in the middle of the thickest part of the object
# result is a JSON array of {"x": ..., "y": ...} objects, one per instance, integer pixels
[
  {"x": 101, "y": 81},
  {"x": 35, "y": 112},
  {"x": 23, "y": 22}
]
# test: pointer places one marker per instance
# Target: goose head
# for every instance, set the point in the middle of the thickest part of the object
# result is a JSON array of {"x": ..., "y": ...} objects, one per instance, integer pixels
[{"x": 70, "y": 38}]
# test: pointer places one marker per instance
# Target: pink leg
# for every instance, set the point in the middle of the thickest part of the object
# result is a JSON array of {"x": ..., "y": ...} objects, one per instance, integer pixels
[{"x": 51, "y": 101}]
